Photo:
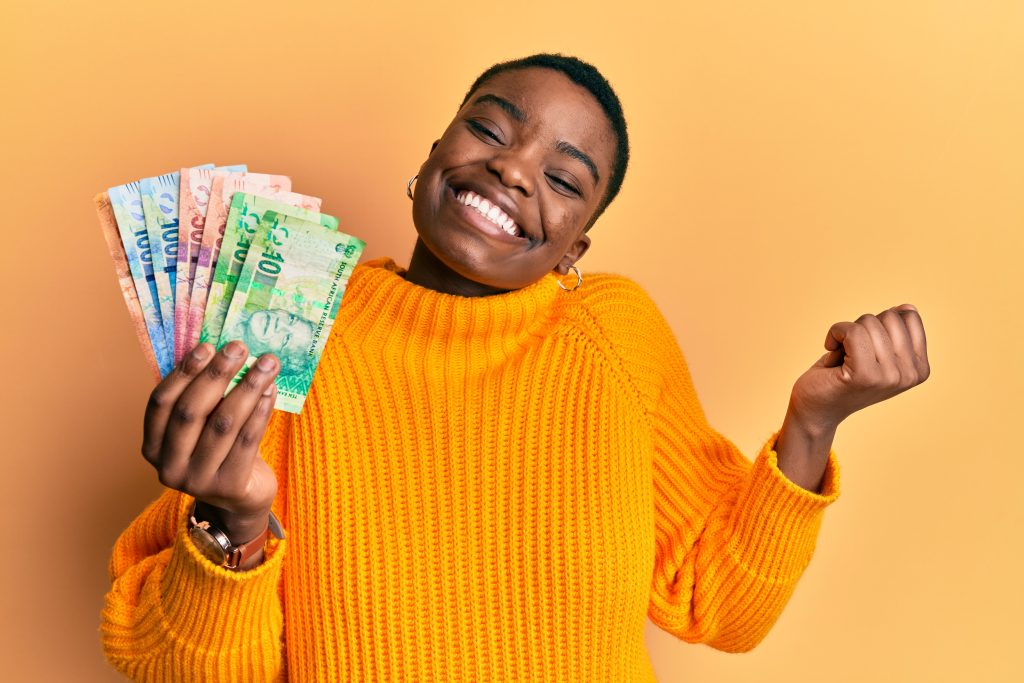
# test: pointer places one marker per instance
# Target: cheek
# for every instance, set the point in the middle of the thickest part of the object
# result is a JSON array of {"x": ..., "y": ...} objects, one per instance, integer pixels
[
  {"x": 456, "y": 147},
  {"x": 561, "y": 223}
]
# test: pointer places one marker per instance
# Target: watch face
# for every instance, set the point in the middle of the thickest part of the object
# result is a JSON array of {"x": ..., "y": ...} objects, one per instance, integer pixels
[{"x": 208, "y": 546}]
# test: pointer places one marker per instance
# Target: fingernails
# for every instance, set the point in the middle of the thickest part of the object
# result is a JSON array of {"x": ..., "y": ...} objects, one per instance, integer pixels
[
  {"x": 266, "y": 363},
  {"x": 269, "y": 390},
  {"x": 201, "y": 352},
  {"x": 234, "y": 349}
]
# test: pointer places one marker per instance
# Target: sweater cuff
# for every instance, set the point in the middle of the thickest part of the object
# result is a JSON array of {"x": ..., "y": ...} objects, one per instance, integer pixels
[
  {"x": 777, "y": 521},
  {"x": 214, "y": 607}
]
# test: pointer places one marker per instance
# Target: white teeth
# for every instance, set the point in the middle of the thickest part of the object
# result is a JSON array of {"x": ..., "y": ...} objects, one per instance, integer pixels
[{"x": 489, "y": 211}]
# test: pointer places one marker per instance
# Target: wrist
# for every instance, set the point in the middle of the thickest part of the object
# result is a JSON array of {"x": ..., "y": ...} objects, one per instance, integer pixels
[
  {"x": 803, "y": 450},
  {"x": 810, "y": 426},
  {"x": 238, "y": 528}
]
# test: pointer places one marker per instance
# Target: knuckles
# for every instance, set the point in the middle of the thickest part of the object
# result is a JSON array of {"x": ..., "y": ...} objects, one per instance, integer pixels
[
  {"x": 867, "y": 316},
  {"x": 150, "y": 455},
  {"x": 158, "y": 400},
  {"x": 247, "y": 439},
  {"x": 221, "y": 423},
  {"x": 218, "y": 369},
  {"x": 183, "y": 414},
  {"x": 171, "y": 480},
  {"x": 251, "y": 382}
]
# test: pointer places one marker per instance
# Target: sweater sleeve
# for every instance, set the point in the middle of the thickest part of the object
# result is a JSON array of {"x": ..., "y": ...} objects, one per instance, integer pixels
[
  {"x": 172, "y": 615},
  {"x": 732, "y": 537}
]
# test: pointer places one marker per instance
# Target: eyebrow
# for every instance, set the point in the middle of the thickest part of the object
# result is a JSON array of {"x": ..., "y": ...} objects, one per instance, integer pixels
[
  {"x": 562, "y": 146},
  {"x": 579, "y": 155},
  {"x": 510, "y": 109}
]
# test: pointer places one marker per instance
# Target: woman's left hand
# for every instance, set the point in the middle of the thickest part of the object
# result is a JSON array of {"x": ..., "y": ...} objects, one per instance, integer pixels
[{"x": 869, "y": 360}]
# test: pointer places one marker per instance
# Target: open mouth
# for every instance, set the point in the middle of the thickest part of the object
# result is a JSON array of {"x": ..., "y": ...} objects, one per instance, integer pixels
[{"x": 489, "y": 211}]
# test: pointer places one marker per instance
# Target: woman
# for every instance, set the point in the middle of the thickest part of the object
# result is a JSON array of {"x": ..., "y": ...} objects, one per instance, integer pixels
[{"x": 499, "y": 471}]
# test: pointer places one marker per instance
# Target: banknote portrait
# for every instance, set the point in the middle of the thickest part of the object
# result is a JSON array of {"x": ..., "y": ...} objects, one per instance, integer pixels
[{"x": 277, "y": 331}]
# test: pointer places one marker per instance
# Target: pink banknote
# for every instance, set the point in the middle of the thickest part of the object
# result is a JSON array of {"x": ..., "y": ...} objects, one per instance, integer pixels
[{"x": 194, "y": 199}]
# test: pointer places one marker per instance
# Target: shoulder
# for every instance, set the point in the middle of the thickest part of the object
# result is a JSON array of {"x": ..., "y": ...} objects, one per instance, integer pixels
[
  {"x": 619, "y": 315},
  {"x": 620, "y": 305}
]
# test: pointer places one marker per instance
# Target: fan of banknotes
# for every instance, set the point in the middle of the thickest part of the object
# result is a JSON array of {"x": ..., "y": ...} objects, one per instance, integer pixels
[{"x": 211, "y": 254}]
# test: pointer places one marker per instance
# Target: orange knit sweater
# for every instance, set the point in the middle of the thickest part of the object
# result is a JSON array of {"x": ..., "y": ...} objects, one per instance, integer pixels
[{"x": 478, "y": 489}]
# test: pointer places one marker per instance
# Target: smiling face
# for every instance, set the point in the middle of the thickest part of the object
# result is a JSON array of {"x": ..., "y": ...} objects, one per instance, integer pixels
[{"x": 506, "y": 193}]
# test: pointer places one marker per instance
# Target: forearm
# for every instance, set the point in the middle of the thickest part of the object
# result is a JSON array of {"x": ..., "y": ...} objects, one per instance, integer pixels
[{"x": 803, "y": 449}]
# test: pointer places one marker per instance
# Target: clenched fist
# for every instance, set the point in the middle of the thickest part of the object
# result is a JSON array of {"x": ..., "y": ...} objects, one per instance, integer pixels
[{"x": 867, "y": 361}]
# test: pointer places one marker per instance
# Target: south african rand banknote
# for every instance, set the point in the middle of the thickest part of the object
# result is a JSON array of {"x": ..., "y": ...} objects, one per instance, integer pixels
[
  {"x": 194, "y": 198},
  {"x": 287, "y": 298},
  {"x": 224, "y": 187},
  {"x": 243, "y": 219},
  {"x": 160, "y": 207},
  {"x": 126, "y": 201},
  {"x": 209, "y": 256},
  {"x": 108, "y": 224}
]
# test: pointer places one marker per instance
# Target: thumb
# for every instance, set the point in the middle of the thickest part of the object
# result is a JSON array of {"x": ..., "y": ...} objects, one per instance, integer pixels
[
  {"x": 831, "y": 359},
  {"x": 835, "y": 362},
  {"x": 835, "y": 342}
]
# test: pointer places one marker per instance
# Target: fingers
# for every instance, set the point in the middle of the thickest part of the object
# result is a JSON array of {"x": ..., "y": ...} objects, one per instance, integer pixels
[
  {"x": 881, "y": 349},
  {"x": 165, "y": 395},
  {"x": 918, "y": 342},
  {"x": 187, "y": 418},
  {"x": 895, "y": 324},
  {"x": 854, "y": 341},
  {"x": 237, "y": 465},
  {"x": 227, "y": 421},
  {"x": 888, "y": 349}
]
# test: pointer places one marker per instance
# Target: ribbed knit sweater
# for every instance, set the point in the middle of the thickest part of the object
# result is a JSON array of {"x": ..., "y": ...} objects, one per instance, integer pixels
[{"x": 494, "y": 488}]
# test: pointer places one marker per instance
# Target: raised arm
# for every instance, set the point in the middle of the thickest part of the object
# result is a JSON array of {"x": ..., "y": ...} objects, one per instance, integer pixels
[{"x": 734, "y": 536}]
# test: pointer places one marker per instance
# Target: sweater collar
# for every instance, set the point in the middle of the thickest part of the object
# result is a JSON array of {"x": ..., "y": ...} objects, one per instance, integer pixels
[{"x": 378, "y": 297}]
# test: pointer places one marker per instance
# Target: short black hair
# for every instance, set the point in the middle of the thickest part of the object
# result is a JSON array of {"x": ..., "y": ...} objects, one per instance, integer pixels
[{"x": 587, "y": 76}]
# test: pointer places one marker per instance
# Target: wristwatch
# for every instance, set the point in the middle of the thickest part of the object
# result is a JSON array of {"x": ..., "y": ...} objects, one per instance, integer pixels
[{"x": 215, "y": 545}]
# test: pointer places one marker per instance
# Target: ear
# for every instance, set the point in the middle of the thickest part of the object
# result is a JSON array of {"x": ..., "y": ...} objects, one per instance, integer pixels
[{"x": 575, "y": 253}]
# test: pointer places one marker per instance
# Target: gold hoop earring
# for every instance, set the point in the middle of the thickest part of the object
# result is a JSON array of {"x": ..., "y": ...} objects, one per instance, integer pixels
[
  {"x": 408, "y": 188},
  {"x": 579, "y": 280}
]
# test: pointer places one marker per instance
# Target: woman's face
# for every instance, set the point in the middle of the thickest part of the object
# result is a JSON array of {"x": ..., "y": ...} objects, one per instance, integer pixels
[{"x": 539, "y": 148}]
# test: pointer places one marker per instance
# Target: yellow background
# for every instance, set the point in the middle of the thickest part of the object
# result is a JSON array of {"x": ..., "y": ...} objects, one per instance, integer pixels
[{"x": 794, "y": 164}]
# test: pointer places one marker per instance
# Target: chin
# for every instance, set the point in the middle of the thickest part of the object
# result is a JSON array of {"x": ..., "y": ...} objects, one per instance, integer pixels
[
  {"x": 472, "y": 256},
  {"x": 460, "y": 254}
]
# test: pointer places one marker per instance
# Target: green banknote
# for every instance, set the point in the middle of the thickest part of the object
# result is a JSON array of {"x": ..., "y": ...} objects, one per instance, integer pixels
[
  {"x": 287, "y": 297},
  {"x": 244, "y": 218}
]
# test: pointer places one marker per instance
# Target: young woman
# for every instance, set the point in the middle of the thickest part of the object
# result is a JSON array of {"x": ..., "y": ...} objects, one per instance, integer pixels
[{"x": 501, "y": 470}]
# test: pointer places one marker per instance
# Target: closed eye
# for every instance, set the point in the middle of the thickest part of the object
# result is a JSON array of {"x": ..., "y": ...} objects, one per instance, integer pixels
[
  {"x": 484, "y": 130},
  {"x": 564, "y": 184}
]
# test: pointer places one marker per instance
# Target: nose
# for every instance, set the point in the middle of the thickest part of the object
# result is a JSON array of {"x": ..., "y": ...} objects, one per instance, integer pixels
[{"x": 514, "y": 168}]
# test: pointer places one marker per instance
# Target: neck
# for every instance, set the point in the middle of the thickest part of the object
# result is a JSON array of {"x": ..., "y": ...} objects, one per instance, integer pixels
[{"x": 426, "y": 270}]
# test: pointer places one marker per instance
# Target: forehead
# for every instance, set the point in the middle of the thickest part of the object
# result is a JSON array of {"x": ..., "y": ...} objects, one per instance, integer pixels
[{"x": 555, "y": 107}]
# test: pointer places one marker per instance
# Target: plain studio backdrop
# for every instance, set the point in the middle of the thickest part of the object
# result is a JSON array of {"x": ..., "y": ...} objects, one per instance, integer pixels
[{"x": 794, "y": 164}]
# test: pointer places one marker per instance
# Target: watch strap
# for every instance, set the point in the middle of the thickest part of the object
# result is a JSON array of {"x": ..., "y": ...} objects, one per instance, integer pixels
[
  {"x": 238, "y": 554},
  {"x": 235, "y": 555}
]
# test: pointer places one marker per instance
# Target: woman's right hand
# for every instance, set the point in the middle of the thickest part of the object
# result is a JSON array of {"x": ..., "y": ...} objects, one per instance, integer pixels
[{"x": 206, "y": 444}]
